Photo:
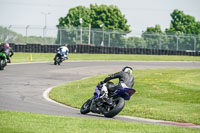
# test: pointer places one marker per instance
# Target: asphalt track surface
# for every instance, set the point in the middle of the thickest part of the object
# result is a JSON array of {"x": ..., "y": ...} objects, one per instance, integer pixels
[{"x": 24, "y": 87}]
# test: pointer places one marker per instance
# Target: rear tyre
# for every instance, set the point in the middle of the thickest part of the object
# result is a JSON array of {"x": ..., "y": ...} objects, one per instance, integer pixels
[{"x": 112, "y": 111}]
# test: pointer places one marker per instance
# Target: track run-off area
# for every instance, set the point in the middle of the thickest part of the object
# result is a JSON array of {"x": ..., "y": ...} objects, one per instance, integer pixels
[{"x": 24, "y": 87}]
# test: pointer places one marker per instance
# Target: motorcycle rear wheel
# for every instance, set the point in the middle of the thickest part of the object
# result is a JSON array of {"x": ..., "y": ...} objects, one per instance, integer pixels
[{"x": 113, "y": 111}]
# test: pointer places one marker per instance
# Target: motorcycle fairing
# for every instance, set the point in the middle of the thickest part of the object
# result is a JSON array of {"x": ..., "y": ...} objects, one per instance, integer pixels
[{"x": 125, "y": 93}]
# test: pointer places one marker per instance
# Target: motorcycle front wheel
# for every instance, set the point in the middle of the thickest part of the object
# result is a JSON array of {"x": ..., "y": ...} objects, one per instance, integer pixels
[
  {"x": 57, "y": 60},
  {"x": 86, "y": 106},
  {"x": 1, "y": 64},
  {"x": 115, "y": 109}
]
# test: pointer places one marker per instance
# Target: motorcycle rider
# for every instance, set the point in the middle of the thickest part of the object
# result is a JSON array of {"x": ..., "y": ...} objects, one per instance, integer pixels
[
  {"x": 8, "y": 51},
  {"x": 63, "y": 51},
  {"x": 126, "y": 80}
]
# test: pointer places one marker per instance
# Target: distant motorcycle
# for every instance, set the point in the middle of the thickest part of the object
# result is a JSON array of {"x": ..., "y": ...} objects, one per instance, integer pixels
[
  {"x": 110, "y": 106},
  {"x": 3, "y": 60},
  {"x": 59, "y": 58}
]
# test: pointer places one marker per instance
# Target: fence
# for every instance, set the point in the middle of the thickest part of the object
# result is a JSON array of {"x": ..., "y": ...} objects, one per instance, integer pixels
[
  {"x": 38, "y": 48},
  {"x": 98, "y": 37}
]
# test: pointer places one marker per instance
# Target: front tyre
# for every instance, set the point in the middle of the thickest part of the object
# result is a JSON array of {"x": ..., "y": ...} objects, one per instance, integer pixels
[
  {"x": 86, "y": 106},
  {"x": 55, "y": 63},
  {"x": 114, "y": 110},
  {"x": 1, "y": 64},
  {"x": 56, "y": 60}
]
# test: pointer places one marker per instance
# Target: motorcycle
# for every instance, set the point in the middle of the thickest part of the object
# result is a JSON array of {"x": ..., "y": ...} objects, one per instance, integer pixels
[
  {"x": 110, "y": 106},
  {"x": 3, "y": 60},
  {"x": 59, "y": 58}
]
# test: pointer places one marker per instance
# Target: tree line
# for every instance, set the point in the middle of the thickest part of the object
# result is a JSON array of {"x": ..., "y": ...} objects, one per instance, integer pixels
[
  {"x": 107, "y": 24},
  {"x": 10, "y": 36},
  {"x": 184, "y": 29}
]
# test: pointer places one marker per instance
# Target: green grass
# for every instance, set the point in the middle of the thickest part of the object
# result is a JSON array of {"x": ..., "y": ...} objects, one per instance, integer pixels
[
  {"x": 161, "y": 94},
  {"x": 36, "y": 57},
  {"x": 165, "y": 94},
  {"x": 48, "y": 57},
  {"x": 18, "y": 122}
]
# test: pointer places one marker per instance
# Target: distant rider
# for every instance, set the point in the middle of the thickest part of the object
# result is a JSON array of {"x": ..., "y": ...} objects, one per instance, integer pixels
[
  {"x": 126, "y": 80},
  {"x": 8, "y": 51},
  {"x": 62, "y": 52}
]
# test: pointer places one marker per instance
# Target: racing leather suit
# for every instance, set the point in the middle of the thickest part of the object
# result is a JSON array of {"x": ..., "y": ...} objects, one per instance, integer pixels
[
  {"x": 63, "y": 52},
  {"x": 126, "y": 80}
]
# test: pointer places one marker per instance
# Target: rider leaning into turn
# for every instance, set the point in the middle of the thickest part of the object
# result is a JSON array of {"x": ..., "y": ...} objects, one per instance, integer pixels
[
  {"x": 63, "y": 51},
  {"x": 8, "y": 51},
  {"x": 126, "y": 80}
]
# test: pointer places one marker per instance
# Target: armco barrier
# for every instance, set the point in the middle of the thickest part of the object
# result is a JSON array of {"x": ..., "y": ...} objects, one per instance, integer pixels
[{"x": 80, "y": 48}]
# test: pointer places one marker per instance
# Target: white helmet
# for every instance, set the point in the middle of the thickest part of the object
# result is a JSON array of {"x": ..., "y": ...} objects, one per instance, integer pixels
[{"x": 127, "y": 69}]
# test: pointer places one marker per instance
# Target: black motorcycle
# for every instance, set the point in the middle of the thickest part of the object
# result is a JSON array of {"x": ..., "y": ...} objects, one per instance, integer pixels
[
  {"x": 110, "y": 106},
  {"x": 59, "y": 58}
]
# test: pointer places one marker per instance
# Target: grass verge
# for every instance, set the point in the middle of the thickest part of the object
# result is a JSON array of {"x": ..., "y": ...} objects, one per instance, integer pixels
[
  {"x": 165, "y": 94},
  {"x": 18, "y": 122},
  {"x": 48, "y": 57}
]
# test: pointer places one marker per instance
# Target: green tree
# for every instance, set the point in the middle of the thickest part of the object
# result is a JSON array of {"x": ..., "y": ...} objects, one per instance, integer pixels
[
  {"x": 183, "y": 26},
  {"x": 7, "y": 35},
  {"x": 72, "y": 19},
  {"x": 156, "y": 29},
  {"x": 103, "y": 16},
  {"x": 67, "y": 33},
  {"x": 108, "y": 16},
  {"x": 135, "y": 42},
  {"x": 153, "y": 37}
]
